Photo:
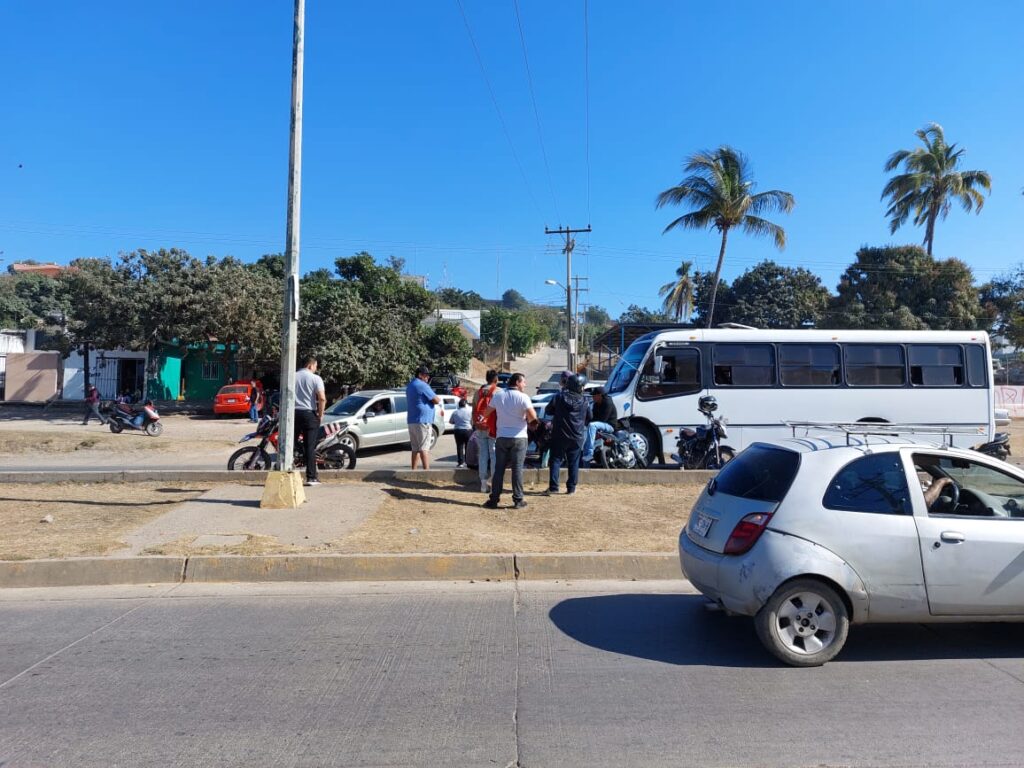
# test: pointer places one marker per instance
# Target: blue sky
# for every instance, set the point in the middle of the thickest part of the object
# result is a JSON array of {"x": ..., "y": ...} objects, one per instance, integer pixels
[{"x": 158, "y": 124}]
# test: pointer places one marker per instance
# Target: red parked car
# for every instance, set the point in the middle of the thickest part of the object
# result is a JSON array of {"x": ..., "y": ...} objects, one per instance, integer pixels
[{"x": 233, "y": 398}]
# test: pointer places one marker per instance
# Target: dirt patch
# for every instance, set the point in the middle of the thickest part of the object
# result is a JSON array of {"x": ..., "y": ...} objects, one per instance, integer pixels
[
  {"x": 425, "y": 518},
  {"x": 253, "y": 545},
  {"x": 88, "y": 519},
  {"x": 14, "y": 443}
]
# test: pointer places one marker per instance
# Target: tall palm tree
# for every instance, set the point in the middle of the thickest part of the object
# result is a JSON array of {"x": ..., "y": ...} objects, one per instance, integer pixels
[
  {"x": 930, "y": 183},
  {"x": 678, "y": 294},
  {"x": 720, "y": 191}
]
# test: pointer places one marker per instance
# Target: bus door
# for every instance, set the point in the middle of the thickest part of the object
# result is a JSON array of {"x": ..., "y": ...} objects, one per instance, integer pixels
[{"x": 668, "y": 388}]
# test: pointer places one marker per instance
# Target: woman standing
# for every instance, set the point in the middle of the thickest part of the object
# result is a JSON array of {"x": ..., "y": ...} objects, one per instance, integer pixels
[{"x": 462, "y": 421}]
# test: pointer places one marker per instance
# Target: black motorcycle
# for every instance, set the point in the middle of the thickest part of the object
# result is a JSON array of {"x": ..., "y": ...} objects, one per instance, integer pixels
[
  {"x": 998, "y": 448},
  {"x": 331, "y": 453},
  {"x": 702, "y": 448},
  {"x": 618, "y": 449}
]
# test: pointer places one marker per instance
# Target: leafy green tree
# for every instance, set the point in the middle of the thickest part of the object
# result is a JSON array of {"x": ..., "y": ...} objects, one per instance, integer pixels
[
  {"x": 720, "y": 191},
  {"x": 597, "y": 316},
  {"x": 1002, "y": 300},
  {"x": 905, "y": 288},
  {"x": 445, "y": 348},
  {"x": 678, "y": 294},
  {"x": 703, "y": 291},
  {"x": 771, "y": 296},
  {"x": 459, "y": 299},
  {"x": 931, "y": 181},
  {"x": 32, "y": 300},
  {"x": 513, "y": 299},
  {"x": 643, "y": 316}
]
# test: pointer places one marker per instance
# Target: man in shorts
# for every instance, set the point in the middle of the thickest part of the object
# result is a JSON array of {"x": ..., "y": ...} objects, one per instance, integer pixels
[{"x": 420, "y": 416}]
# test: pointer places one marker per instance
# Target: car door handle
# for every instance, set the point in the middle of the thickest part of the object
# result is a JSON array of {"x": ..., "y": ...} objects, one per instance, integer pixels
[{"x": 952, "y": 537}]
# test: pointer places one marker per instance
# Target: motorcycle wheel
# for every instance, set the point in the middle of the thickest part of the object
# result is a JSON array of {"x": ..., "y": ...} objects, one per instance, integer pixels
[
  {"x": 340, "y": 457},
  {"x": 641, "y": 462},
  {"x": 154, "y": 429},
  {"x": 249, "y": 458},
  {"x": 115, "y": 427},
  {"x": 726, "y": 455}
]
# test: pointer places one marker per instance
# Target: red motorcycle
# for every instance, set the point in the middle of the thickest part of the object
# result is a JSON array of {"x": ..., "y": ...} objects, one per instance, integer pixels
[{"x": 331, "y": 453}]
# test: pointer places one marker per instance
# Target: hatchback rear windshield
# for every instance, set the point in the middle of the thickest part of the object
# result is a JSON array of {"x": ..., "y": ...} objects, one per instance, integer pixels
[
  {"x": 760, "y": 473},
  {"x": 234, "y": 391}
]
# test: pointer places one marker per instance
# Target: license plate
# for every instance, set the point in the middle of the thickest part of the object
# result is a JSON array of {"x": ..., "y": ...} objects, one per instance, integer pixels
[
  {"x": 702, "y": 524},
  {"x": 231, "y": 399}
]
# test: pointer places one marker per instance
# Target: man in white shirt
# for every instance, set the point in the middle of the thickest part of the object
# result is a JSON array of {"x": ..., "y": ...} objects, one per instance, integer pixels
[
  {"x": 514, "y": 414},
  {"x": 310, "y": 402}
]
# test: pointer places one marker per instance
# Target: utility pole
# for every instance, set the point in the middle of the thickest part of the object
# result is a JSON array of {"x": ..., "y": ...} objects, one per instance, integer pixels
[
  {"x": 290, "y": 320},
  {"x": 576, "y": 318},
  {"x": 570, "y": 244}
]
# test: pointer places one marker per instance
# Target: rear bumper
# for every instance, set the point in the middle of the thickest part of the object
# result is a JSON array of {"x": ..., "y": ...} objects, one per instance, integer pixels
[{"x": 726, "y": 579}]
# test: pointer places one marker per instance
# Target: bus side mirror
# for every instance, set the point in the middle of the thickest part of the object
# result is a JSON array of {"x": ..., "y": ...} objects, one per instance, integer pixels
[{"x": 659, "y": 365}]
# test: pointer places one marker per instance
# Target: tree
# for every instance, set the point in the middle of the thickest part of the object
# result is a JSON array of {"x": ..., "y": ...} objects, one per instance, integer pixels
[
  {"x": 446, "y": 348},
  {"x": 1002, "y": 300},
  {"x": 678, "y": 294},
  {"x": 720, "y": 190},
  {"x": 771, "y": 296},
  {"x": 930, "y": 182},
  {"x": 459, "y": 299},
  {"x": 905, "y": 288},
  {"x": 643, "y": 316},
  {"x": 598, "y": 316},
  {"x": 513, "y": 299},
  {"x": 703, "y": 291}
]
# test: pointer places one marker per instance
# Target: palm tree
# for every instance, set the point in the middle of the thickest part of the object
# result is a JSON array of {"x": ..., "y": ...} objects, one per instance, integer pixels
[
  {"x": 930, "y": 183},
  {"x": 678, "y": 294},
  {"x": 720, "y": 191}
]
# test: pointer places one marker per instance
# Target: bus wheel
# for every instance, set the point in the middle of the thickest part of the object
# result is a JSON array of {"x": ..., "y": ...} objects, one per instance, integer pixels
[{"x": 645, "y": 441}]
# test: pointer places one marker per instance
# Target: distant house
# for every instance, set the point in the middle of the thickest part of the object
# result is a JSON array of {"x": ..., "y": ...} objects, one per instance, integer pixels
[
  {"x": 47, "y": 270},
  {"x": 467, "y": 320}
]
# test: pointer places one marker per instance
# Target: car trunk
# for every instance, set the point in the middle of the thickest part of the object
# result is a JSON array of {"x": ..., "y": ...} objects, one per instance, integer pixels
[{"x": 755, "y": 482}]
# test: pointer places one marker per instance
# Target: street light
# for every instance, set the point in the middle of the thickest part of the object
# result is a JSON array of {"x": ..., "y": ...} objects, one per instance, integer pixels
[{"x": 570, "y": 334}]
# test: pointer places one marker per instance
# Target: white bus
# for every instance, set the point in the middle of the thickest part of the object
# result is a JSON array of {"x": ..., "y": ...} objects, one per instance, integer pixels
[{"x": 763, "y": 378}]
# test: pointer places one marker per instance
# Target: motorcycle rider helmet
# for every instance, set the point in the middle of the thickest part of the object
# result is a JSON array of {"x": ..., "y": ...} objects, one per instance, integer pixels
[
  {"x": 573, "y": 384},
  {"x": 707, "y": 405},
  {"x": 583, "y": 380}
]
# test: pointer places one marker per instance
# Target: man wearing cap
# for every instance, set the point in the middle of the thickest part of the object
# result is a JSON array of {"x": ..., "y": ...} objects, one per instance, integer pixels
[
  {"x": 603, "y": 417},
  {"x": 420, "y": 416}
]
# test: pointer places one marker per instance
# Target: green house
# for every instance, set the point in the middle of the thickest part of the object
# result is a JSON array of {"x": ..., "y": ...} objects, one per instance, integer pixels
[{"x": 191, "y": 372}]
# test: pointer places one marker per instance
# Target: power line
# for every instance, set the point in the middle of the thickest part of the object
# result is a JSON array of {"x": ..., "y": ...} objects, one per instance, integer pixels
[
  {"x": 536, "y": 112},
  {"x": 586, "y": 77},
  {"x": 497, "y": 109}
]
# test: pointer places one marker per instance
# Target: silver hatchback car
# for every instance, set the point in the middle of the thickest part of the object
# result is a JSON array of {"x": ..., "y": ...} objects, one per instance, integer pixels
[
  {"x": 376, "y": 417},
  {"x": 810, "y": 535}
]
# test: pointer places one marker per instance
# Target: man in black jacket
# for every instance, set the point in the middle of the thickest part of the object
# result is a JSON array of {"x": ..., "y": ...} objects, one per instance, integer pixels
[
  {"x": 568, "y": 410},
  {"x": 604, "y": 417}
]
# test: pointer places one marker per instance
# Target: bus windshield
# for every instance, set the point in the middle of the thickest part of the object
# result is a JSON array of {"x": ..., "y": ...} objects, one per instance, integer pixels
[{"x": 627, "y": 367}]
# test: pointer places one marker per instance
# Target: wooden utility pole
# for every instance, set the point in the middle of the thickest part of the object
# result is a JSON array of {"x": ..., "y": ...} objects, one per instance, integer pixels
[{"x": 570, "y": 244}]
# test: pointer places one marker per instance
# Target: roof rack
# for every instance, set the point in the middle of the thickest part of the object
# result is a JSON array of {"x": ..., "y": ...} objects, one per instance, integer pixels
[{"x": 886, "y": 429}]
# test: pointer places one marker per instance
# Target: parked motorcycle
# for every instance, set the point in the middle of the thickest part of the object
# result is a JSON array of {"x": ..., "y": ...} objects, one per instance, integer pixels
[
  {"x": 701, "y": 448},
  {"x": 331, "y": 452},
  {"x": 618, "y": 449},
  {"x": 998, "y": 448},
  {"x": 121, "y": 416}
]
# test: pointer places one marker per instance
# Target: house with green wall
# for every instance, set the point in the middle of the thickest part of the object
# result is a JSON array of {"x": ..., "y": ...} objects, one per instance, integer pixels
[{"x": 190, "y": 372}]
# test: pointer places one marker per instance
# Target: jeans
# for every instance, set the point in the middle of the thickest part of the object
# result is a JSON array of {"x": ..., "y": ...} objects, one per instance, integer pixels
[
  {"x": 93, "y": 409},
  {"x": 308, "y": 426},
  {"x": 254, "y": 412},
  {"x": 570, "y": 454},
  {"x": 588, "y": 444},
  {"x": 508, "y": 451},
  {"x": 461, "y": 438},
  {"x": 485, "y": 444}
]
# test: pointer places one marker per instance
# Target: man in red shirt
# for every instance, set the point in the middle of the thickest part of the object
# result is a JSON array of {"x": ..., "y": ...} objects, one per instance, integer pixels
[{"x": 486, "y": 426}]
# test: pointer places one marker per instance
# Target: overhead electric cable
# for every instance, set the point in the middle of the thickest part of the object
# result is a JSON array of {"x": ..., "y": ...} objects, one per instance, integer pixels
[
  {"x": 497, "y": 109},
  {"x": 536, "y": 112},
  {"x": 586, "y": 77}
]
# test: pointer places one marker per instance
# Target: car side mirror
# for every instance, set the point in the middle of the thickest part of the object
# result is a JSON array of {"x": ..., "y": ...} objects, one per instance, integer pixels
[{"x": 368, "y": 415}]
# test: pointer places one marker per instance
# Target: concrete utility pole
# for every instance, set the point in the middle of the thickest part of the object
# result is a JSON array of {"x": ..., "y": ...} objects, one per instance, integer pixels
[
  {"x": 576, "y": 316},
  {"x": 290, "y": 325},
  {"x": 570, "y": 244}
]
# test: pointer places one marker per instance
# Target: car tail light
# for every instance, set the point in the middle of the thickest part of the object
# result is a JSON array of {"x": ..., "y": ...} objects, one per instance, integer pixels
[{"x": 746, "y": 533}]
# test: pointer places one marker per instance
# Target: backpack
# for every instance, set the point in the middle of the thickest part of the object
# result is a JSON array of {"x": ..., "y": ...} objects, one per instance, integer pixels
[{"x": 480, "y": 420}]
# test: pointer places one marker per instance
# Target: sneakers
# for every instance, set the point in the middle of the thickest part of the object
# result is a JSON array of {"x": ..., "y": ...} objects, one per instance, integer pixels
[
  {"x": 519, "y": 505},
  {"x": 490, "y": 504},
  {"x": 550, "y": 492},
  {"x": 570, "y": 492},
  {"x": 485, "y": 487},
  {"x": 309, "y": 483}
]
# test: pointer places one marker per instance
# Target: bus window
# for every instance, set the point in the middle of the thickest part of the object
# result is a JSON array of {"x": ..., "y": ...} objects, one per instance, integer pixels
[
  {"x": 809, "y": 365},
  {"x": 936, "y": 365},
  {"x": 680, "y": 374},
  {"x": 976, "y": 365},
  {"x": 627, "y": 367},
  {"x": 744, "y": 365},
  {"x": 875, "y": 365}
]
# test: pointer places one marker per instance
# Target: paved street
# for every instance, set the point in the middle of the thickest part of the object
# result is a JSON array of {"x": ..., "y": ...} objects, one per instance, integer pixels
[{"x": 623, "y": 674}]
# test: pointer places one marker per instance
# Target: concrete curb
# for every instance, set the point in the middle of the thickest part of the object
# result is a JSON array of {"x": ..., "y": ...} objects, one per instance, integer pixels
[
  {"x": 460, "y": 476},
  {"x": 307, "y": 568}
]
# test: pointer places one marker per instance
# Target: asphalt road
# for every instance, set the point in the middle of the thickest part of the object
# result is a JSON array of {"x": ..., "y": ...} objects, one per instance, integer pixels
[{"x": 600, "y": 674}]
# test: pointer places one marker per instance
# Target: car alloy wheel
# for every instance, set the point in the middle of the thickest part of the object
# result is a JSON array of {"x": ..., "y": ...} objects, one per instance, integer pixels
[{"x": 805, "y": 623}]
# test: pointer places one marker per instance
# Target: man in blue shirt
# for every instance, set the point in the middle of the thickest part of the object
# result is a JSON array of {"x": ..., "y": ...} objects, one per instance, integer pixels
[{"x": 420, "y": 416}]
